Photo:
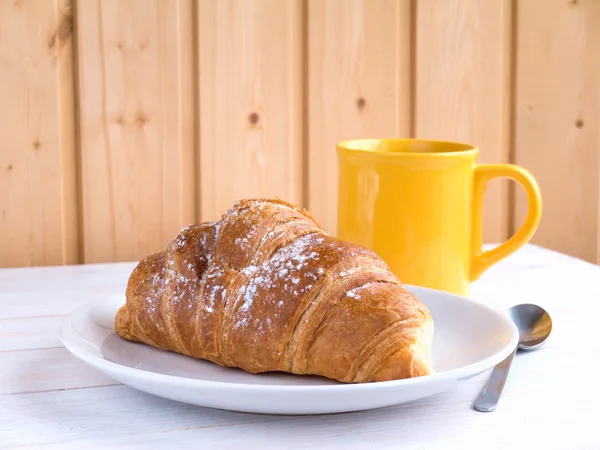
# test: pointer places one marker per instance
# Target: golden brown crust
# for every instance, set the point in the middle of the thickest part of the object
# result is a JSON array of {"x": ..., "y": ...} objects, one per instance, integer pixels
[{"x": 265, "y": 289}]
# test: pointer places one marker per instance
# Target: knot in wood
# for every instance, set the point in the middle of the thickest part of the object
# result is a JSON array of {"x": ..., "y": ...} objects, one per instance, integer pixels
[
  {"x": 253, "y": 118},
  {"x": 142, "y": 119},
  {"x": 360, "y": 103}
]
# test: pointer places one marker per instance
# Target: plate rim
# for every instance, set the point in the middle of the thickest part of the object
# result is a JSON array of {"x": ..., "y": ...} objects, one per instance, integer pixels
[{"x": 459, "y": 373}]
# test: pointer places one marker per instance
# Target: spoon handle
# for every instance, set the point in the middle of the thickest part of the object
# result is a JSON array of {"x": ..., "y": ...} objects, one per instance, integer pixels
[{"x": 488, "y": 399}]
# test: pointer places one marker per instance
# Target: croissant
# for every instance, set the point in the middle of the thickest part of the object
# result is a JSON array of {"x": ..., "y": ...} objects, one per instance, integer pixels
[{"x": 266, "y": 289}]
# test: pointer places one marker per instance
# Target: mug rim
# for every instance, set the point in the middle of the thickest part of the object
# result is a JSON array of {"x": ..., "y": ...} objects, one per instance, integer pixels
[{"x": 467, "y": 149}]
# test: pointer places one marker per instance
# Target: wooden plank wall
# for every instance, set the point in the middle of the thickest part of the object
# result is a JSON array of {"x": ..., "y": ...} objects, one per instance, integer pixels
[
  {"x": 38, "y": 200},
  {"x": 250, "y": 84},
  {"x": 136, "y": 125},
  {"x": 462, "y": 86},
  {"x": 125, "y": 120},
  {"x": 359, "y": 85},
  {"x": 557, "y": 127}
]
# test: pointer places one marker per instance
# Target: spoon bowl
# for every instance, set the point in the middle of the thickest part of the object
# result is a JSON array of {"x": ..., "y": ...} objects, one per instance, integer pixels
[{"x": 534, "y": 325}]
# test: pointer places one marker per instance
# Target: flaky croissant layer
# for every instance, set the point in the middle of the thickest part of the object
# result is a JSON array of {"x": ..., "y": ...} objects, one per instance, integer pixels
[{"x": 265, "y": 289}]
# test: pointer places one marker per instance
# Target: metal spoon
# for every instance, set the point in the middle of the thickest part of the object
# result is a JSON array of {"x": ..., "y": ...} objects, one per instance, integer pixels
[{"x": 534, "y": 325}]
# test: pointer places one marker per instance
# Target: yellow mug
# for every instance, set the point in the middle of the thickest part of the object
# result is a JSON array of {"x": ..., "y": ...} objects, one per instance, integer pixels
[{"x": 418, "y": 204}]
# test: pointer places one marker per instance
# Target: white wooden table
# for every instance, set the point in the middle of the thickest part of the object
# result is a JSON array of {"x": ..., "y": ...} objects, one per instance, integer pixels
[{"x": 551, "y": 401}]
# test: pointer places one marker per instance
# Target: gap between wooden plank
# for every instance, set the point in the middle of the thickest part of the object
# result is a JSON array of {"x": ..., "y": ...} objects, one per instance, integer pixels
[
  {"x": 305, "y": 178},
  {"x": 46, "y": 370},
  {"x": 512, "y": 111},
  {"x": 32, "y": 304},
  {"x": 30, "y": 349},
  {"x": 196, "y": 111},
  {"x": 77, "y": 137},
  {"x": 412, "y": 82},
  {"x": 42, "y": 391},
  {"x": 84, "y": 414}
]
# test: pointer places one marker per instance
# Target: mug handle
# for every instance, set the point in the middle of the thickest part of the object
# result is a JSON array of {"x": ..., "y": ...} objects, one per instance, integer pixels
[{"x": 482, "y": 260}]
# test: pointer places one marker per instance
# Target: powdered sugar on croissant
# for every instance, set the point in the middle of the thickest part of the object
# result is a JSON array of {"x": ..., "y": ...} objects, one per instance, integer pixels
[{"x": 265, "y": 289}]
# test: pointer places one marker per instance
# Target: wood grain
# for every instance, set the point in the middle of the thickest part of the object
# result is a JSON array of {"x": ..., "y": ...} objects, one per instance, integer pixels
[
  {"x": 557, "y": 117},
  {"x": 358, "y": 85},
  {"x": 463, "y": 64},
  {"x": 250, "y": 89},
  {"x": 38, "y": 206},
  {"x": 137, "y": 125}
]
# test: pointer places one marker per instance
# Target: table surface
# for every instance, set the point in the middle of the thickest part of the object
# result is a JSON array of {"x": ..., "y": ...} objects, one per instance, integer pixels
[{"x": 551, "y": 400}]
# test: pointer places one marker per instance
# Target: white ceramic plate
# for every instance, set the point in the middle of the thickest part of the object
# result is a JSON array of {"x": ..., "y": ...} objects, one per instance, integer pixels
[{"x": 469, "y": 338}]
